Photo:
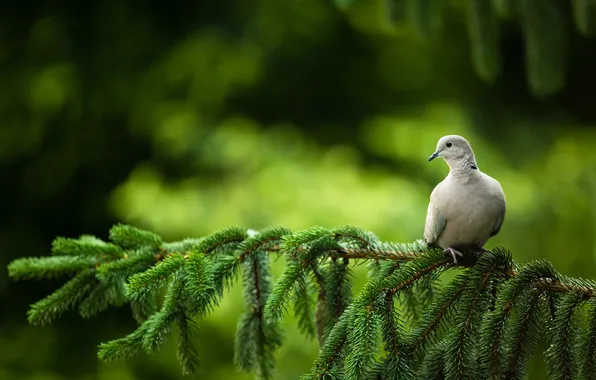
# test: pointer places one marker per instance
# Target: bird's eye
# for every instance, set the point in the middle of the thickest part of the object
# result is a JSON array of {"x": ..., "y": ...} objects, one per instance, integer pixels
[{"x": 448, "y": 145}]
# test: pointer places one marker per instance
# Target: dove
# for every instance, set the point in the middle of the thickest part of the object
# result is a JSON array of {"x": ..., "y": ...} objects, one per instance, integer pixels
[{"x": 468, "y": 207}]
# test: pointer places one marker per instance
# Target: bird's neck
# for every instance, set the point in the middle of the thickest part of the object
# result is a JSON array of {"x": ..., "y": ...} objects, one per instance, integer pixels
[{"x": 463, "y": 167}]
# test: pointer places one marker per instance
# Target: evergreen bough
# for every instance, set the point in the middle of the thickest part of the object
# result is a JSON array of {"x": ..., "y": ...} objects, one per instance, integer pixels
[{"x": 406, "y": 322}]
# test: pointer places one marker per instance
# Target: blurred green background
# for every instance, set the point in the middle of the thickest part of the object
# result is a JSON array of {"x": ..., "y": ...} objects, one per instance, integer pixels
[{"x": 184, "y": 117}]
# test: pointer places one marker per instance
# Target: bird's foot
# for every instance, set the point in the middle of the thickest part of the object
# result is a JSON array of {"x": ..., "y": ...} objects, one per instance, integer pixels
[{"x": 454, "y": 253}]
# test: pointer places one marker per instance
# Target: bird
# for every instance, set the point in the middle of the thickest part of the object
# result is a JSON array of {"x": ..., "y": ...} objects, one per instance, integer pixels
[{"x": 468, "y": 207}]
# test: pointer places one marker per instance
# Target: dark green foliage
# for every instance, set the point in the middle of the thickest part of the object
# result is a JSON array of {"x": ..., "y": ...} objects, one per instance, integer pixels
[
  {"x": 344, "y": 3},
  {"x": 541, "y": 21},
  {"x": 544, "y": 37},
  {"x": 484, "y": 323},
  {"x": 504, "y": 8},
  {"x": 425, "y": 15},
  {"x": 395, "y": 10},
  {"x": 584, "y": 15},
  {"x": 483, "y": 28}
]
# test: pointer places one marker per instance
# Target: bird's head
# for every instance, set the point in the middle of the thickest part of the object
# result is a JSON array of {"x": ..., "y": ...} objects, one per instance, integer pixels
[{"x": 454, "y": 149}]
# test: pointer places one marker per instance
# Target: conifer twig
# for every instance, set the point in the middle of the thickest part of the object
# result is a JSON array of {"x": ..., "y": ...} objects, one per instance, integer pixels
[{"x": 483, "y": 323}]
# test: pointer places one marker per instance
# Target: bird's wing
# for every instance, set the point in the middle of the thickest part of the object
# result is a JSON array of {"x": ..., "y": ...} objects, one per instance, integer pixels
[
  {"x": 500, "y": 206},
  {"x": 435, "y": 219},
  {"x": 497, "y": 228}
]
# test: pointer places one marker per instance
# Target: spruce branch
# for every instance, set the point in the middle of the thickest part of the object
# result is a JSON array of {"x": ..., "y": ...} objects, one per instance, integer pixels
[
  {"x": 433, "y": 366},
  {"x": 438, "y": 316},
  {"x": 561, "y": 359},
  {"x": 158, "y": 325},
  {"x": 123, "y": 348},
  {"x": 461, "y": 352},
  {"x": 85, "y": 245},
  {"x": 257, "y": 338},
  {"x": 397, "y": 363},
  {"x": 292, "y": 276},
  {"x": 304, "y": 307},
  {"x": 186, "y": 350},
  {"x": 130, "y": 237},
  {"x": 199, "y": 282},
  {"x": 141, "y": 310},
  {"x": 493, "y": 327},
  {"x": 221, "y": 239},
  {"x": 521, "y": 336},
  {"x": 46, "y": 310},
  {"x": 102, "y": 296},
  {"x": 588, "y": 344},
  {"x": 266, "y": 240},
  {"x": 335, "y": 295},
  {"x": 301, "y": 260},
  {"x": 142, "y": 284},
  {"x": 362, "y": 343},
  {"x": 484, "y": 323},
  {"x": 325, "y": 365},
  {"x": 367, "y": 326},
  {"x": 49, "y": 267},
  {"x": 133, "y": 262},
  {"x": 384, "y": 251}
]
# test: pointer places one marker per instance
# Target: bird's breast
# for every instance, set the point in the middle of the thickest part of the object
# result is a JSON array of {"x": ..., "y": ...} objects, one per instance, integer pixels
[{"x": 470, "y": 218}]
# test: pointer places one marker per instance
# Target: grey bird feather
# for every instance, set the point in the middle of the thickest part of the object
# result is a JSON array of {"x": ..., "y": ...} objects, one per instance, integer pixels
[{"x": 468, "y": 207}]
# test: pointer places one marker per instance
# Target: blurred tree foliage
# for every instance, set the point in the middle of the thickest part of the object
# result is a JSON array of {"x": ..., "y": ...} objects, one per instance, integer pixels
[{"x": 188, "y": 116}]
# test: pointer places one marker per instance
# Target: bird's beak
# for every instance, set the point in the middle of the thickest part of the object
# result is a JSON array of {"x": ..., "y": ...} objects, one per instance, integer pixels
[{"x": 433, "y": 156}]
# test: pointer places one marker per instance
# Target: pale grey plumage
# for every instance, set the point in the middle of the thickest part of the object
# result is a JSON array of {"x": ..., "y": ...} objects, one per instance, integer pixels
[{"x": 468, "y": 206}]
